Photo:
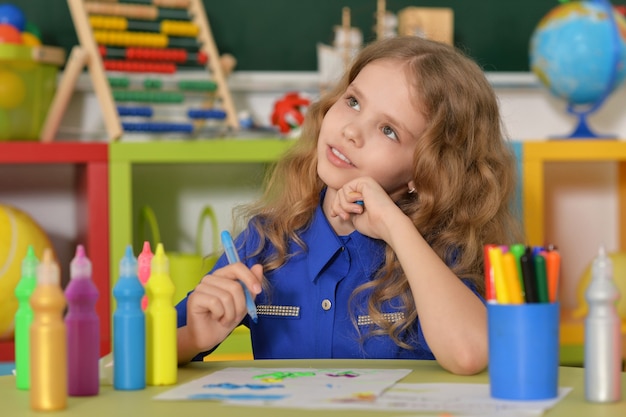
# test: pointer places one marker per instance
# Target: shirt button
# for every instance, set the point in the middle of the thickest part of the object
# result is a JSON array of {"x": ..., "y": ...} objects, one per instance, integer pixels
[{"x": 326, "y": 304}]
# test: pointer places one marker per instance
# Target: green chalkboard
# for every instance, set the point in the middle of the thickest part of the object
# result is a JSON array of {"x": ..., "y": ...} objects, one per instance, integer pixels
[{"x": 281, "y": 35}]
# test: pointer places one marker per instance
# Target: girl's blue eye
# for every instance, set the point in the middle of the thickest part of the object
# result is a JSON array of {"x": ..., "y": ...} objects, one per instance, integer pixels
[
  {"x": 352, "y": 102},
  {"x": 389, "y": 132}
]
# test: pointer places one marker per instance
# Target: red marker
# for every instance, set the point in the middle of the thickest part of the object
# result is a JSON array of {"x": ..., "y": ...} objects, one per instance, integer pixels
[{"x": 490, "y": 287}]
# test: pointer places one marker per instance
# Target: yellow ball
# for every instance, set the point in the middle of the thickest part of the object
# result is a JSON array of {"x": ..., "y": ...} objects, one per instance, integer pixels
[
  {"x": 18, "y": 231},
  {"x": 30, "y": 39},
  {"x": 12, "y": 90}
]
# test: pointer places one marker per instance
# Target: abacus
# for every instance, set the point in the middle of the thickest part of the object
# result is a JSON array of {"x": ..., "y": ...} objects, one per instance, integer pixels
[{"x": 121, "y": 39}]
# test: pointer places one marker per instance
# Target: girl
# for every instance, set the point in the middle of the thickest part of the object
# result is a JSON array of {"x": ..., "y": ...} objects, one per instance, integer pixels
[{"x": 368, "y": 240}]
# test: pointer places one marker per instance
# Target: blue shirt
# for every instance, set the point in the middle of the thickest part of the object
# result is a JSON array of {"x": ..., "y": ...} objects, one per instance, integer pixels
[{"x": 308, "y": 311}]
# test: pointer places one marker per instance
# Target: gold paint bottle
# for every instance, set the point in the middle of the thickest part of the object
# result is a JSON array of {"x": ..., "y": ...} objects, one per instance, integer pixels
[{"x": 48, "y": 353}]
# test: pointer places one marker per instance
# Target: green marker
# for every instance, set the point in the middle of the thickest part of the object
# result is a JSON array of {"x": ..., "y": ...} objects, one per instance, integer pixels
[
  {"x": 24, "y": 318},
  {"x": 542, "y": 278},
  {"x": 518, "y": 250}
]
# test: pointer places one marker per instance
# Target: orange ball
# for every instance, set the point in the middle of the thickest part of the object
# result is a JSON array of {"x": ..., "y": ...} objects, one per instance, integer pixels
[{"x": 10, "y": 34}]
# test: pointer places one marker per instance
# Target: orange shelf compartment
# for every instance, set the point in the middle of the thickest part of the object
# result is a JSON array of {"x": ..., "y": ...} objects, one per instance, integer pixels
[{"x": 92, "y": 185}]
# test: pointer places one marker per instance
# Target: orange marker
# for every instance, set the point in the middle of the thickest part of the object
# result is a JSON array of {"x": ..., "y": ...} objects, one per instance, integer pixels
[{"x": 553, "y": 269}]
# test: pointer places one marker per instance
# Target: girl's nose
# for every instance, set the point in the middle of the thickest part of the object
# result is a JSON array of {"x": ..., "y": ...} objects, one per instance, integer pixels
[{"x": 353, "y": 133}]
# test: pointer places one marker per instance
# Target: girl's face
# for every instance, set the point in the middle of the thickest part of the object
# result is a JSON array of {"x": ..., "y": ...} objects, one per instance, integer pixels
[{"x": 372, "y": 130}]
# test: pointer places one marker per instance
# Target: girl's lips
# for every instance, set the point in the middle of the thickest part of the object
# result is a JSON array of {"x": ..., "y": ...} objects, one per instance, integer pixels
[{"x": 337, "y": 158}]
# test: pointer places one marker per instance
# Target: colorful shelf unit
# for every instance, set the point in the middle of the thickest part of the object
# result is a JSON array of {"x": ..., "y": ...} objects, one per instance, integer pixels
[
  {"x": 125, "y": 156},
  {"x": 535, "y": 156},
  {"x": 92, "y": 179}
]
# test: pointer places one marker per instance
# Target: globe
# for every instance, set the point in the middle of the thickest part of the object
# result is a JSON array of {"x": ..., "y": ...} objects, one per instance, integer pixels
[{"x": 578, "y": 52}]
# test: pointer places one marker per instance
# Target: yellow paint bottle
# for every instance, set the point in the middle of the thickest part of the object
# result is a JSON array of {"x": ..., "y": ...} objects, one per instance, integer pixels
[
  {"x": 161, "y": 355},
  {"x": 48, "y": 352}
]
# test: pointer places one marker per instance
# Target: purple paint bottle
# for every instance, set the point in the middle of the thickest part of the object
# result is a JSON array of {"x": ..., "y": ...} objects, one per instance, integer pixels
[{"x": 83, "y": 328}]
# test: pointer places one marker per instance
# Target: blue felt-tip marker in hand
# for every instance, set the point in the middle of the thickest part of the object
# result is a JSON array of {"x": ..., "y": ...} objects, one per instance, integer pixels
[{"x": 233, "y": 257}]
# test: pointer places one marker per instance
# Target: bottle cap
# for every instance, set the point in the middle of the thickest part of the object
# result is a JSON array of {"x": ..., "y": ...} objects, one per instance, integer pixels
[
  {"x": 48, "y": 270},
  {"x": 144, "y": 259},
  {"x": 80, "y": 267},
  {"x": 159, "y": 263},
  {"x": 128, "y": 264},
  {"x": 29, "y": 263},
  {"x": 602, "y": 266}
]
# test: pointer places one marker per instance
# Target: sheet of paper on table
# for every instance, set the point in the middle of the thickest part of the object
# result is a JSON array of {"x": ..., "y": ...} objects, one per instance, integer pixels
[
  {"x": 465, "y": 400},
  {"x": 282, "y": 387},
  {"x": 370, "y": 389}
]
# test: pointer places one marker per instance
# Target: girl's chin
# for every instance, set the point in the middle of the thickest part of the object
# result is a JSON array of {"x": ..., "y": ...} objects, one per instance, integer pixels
[{"x": 331, "y": 183}]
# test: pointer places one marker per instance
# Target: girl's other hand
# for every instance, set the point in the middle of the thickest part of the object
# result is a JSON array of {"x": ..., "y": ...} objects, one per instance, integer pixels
[{"x": 218, "y": 304}]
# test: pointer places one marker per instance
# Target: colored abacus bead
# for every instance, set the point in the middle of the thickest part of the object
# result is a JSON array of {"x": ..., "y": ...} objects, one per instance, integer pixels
[
  {"x": 206, "y": 114},
  {"x": 197, "y": 85},
  {"x": 135, "y": 111},
  {"x": 158, "y": 127},
  {"x": 149, "y": 96}
]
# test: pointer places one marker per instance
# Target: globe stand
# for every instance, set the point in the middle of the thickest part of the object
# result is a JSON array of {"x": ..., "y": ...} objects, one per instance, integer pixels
[{"x": 582, "y": 130}]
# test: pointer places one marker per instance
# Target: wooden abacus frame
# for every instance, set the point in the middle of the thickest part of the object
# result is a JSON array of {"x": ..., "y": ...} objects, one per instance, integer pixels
[{"x": 87, "y": 54}]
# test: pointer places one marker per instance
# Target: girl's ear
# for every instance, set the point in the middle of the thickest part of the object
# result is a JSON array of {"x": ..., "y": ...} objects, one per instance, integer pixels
[{"x": 411, "y": 186}]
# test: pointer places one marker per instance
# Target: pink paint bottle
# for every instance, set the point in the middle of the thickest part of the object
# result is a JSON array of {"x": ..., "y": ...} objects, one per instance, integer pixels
[
  {"x": 83, "y": 328},
  {"x": 143, "y": 269}
]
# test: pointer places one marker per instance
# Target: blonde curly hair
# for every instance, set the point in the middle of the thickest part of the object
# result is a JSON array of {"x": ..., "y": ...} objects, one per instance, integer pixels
[{"x": 463, "y": 169}]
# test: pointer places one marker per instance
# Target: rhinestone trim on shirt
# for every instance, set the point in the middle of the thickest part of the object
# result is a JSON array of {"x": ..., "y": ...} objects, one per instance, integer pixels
[
  {"x": 272, "y": 310},
  {"x": 391, "y": 317}
]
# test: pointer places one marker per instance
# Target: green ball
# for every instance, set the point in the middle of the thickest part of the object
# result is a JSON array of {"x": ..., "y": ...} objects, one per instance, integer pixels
[{"x": 32, "y": 28}]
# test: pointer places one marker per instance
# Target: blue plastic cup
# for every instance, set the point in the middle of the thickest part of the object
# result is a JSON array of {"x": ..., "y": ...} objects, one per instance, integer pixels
[{"x": 523, "y": 351}]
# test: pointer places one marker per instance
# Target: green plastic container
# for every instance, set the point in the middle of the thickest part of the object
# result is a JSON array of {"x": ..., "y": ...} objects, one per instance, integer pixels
[{"x": 28, "y": 78}]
